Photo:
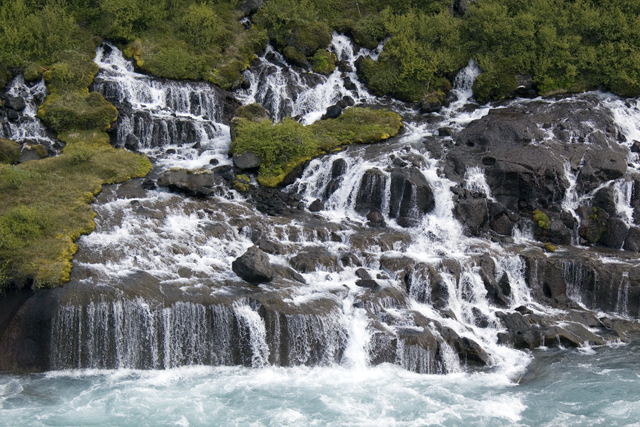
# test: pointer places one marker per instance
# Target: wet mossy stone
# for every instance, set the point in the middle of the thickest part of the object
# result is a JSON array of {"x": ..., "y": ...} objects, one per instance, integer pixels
[
  {"x": 9, "y": 151},
  {"x": 32, "y": 152},
  {"x": 70, "y": 105},
  {"x": 431, "y": 103},
  {"x": 295, "y": 57},
  {"x": 241, "y": 183},
  {"x": 541, "y": 219},
  {"x": 247, "y": 160}
]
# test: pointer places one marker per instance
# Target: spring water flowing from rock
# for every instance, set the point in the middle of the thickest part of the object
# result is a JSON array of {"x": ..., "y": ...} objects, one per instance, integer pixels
[{"x": 383, "y": 279}]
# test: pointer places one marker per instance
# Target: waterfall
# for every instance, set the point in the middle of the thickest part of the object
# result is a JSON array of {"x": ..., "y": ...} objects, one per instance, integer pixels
[
  {"x": 385, "y": 272},
  {"x": 27, "y": 127},
  {"x": 286, "y": 91},
  {"x": 177, "y": 122}
]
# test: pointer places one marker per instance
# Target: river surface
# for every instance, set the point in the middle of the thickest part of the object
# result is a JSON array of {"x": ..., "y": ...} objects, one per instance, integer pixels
[{"x": 599, "y": 386}]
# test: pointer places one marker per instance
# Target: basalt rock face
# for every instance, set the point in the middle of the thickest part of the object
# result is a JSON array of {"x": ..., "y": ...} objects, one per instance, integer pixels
[{"x": 560, "y": 158}]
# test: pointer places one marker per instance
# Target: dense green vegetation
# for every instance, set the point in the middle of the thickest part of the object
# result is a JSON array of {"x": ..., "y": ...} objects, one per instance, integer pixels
[
  {"x": 284, "y": 146},
  {"x": 562, "y": 45}
]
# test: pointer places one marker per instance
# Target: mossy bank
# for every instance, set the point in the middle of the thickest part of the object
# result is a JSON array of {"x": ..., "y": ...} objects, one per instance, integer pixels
[{"x": 282, "y": 147}]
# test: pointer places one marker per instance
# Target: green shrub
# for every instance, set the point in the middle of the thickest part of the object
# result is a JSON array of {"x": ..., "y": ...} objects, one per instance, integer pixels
[
  {"x": 201, "y": 26},
  {"x": 323, "y": 62}
]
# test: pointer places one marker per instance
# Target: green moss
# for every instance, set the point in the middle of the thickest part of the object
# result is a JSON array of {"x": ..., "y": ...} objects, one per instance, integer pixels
[
  {"x": 357, "y": 125},
  {"x": 597, "y": 225},
  {"x": 284, "y": 146},
  {"x": 308, "y": 37},
  {"x": 323, "y": 62},
  {"x": 541, "y": 219},
  {"x": 78, "y": 109},
  {"x": 45, "y": 204},
  {"x": 549, "y": 247},
  {"x": 70, "y": 105},
  {"x": 252, "y": 112},
  {"x": 9, "y": 151}
]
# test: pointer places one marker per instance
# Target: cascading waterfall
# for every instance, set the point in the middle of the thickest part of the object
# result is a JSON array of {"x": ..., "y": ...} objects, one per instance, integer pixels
[
  {"x": 27, "y": 127},
  {"x": 286, "y": 91},
  {"x": 436, "y": 303},
  {"x": 178, "y": 122}
]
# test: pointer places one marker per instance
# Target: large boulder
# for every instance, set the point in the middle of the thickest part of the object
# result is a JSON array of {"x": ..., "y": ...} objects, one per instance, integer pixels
[
  {"x": 16, "y": 103},
  {"x": 524, "y": 150},
  {"x": 253, "y": 266},
  {"x": 473, "y": 213},
  {"x": 200, "y": 182},
  {"x": 247, "y": 160}
]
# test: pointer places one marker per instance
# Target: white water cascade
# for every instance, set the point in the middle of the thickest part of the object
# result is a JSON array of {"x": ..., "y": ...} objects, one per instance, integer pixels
[{"x": 410, "y": 288}]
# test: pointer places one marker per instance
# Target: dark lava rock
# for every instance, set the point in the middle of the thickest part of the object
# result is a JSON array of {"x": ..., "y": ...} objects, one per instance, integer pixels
[
  {"x": 524, "y": 163},
  {"x": 632, "y": 242},
  {"x": 14, "y": 102},
  {"x": 310, "y": 259},
  {"x": 371, "y": 192},
  {"x": 473, "y": 213},
  {"x": 605, "y": 199},
  {"x": 272, "y": 201},
  {"x": 253, "y": 266},
  {"x": 405, "y": 222},
  {"x": 375, "y": 217},
  {"x": 338, "y": 168},
  {"x": 316, "y": 206},
  {"x": 411, "y": 195},
  {"x": 247, "y": 160},
  {"x": 502, "y": 225},
  {"x": 333, "y": 112},
  {"x": 615, "y": 234},
  {"x": 363, "y": 274},
  {"x": 349, "y": 85},
  {"x": 12, "y": 115},
  {"x": 367, "y": 283},
  {"x": 348, "y": 101}
]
